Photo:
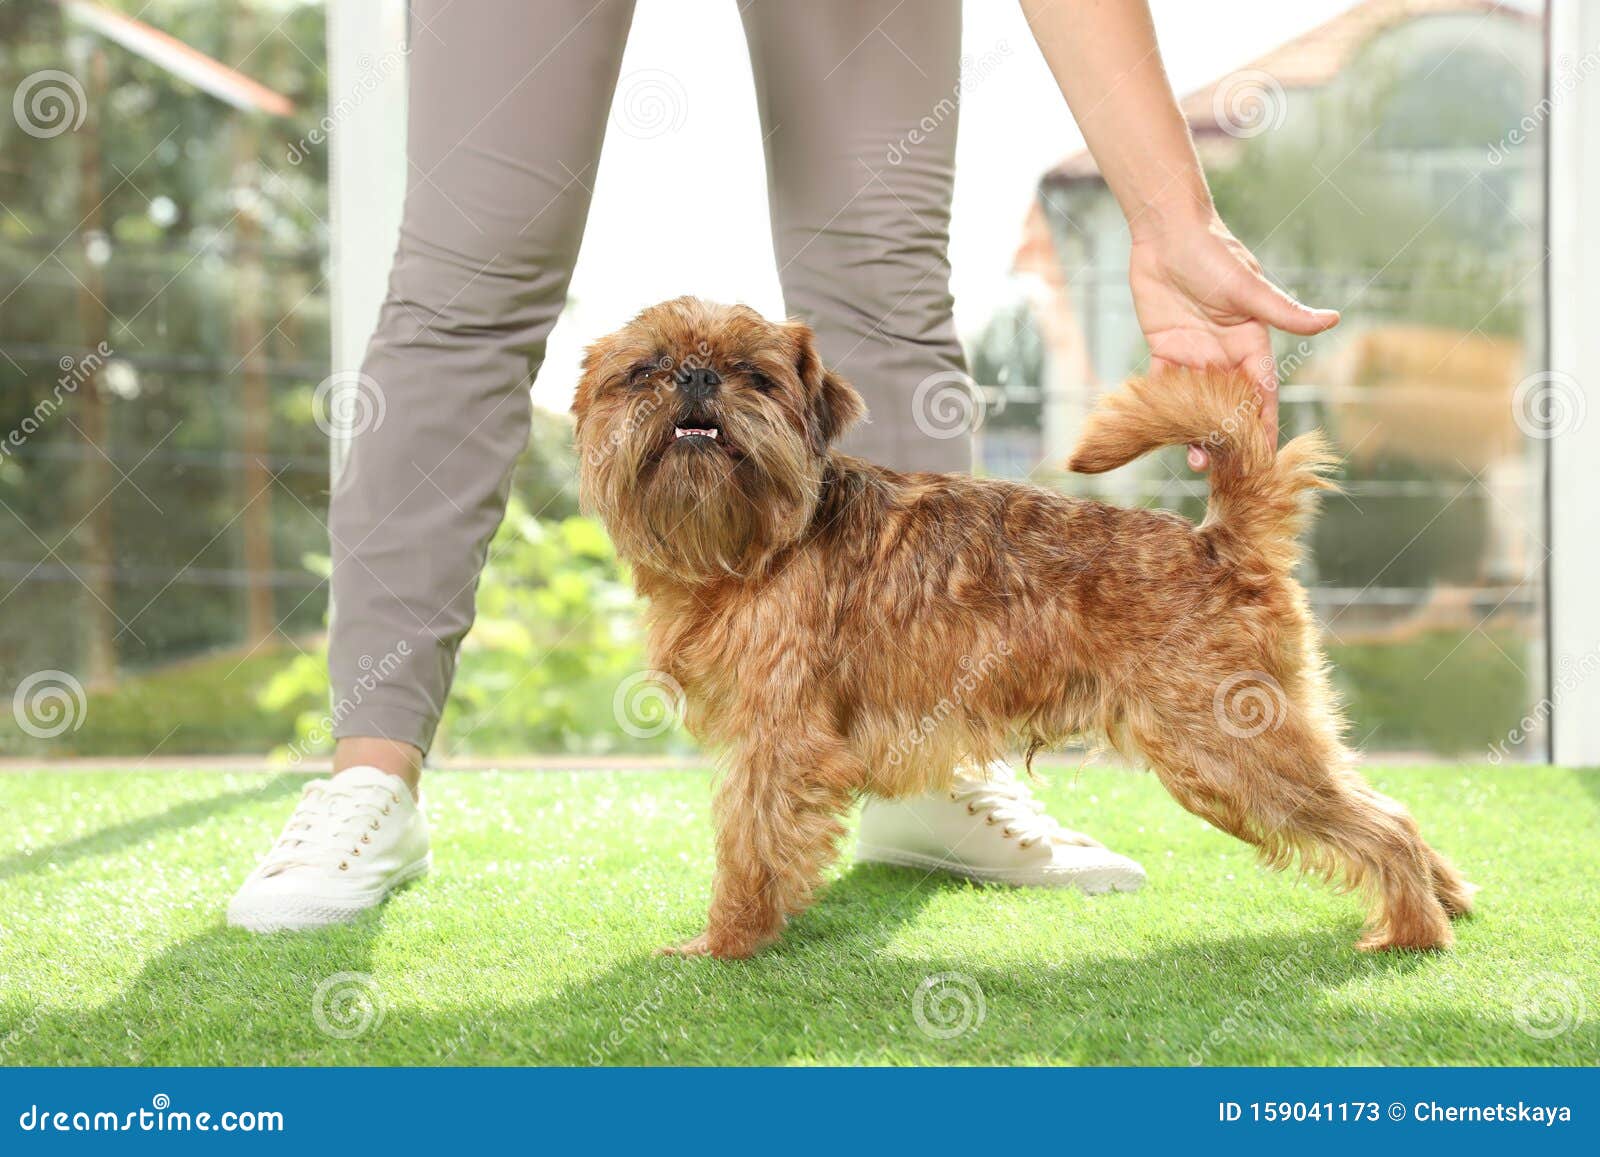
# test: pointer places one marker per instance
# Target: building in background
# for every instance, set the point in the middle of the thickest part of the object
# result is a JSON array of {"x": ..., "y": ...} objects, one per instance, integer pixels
[
  {"x": 1408, "y": 101},
  {"x": 1388, "y": 163}
]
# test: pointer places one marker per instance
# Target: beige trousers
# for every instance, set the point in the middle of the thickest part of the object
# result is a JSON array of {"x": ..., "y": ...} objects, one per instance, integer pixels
[{"x": 509, "y": 99}]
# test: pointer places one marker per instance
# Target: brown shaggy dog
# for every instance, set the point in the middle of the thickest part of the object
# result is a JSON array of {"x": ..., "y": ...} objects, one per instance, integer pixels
[{"x": 834, "y": 624}]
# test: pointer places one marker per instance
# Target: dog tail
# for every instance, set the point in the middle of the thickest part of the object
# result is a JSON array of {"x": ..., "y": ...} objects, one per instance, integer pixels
[{"x": 1258, "y": 501}]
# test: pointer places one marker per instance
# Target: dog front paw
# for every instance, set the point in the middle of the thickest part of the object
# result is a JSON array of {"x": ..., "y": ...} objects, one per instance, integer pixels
[
  {"x": 1412, "y": 938},
  {"x": 705, "y": 944},
  {"x": 699, "y": 946}
]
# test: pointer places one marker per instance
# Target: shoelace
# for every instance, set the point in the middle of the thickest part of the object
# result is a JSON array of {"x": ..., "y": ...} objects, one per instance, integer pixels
[
  {"x": 331, "y": 823},
  {"x": 1005, "y": 799}
]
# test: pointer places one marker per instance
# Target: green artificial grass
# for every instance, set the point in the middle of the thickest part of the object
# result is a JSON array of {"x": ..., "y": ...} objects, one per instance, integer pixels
[{"x": 533, "y": 941}]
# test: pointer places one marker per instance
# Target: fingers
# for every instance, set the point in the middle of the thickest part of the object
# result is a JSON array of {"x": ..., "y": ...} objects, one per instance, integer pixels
[
  {"x": 1269, "y": 411},
  {"x": 1276, "y": 308},
  {"x": 1264, "y": 368}
]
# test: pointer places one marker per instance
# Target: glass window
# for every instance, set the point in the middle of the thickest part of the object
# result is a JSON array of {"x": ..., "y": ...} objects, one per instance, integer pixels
[
  {"x": 163, "y": 331},
  {"x": 1375, "y": 166},
  {"x": 164, "y": 347}
]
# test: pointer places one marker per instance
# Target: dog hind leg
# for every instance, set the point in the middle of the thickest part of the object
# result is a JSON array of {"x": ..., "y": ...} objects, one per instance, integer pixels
[
  {"x": 1288, "y": 792},
  {"x": 1452, "y": 891}
]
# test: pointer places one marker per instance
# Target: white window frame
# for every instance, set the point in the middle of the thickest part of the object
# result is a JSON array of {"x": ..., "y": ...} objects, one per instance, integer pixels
[
  {"x": 367, "y": 45},
  {"x": 1573, "y": 479}
]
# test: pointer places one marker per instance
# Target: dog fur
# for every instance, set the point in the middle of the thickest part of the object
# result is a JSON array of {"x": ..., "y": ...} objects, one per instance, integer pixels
[{"x": 835, "y": 624}]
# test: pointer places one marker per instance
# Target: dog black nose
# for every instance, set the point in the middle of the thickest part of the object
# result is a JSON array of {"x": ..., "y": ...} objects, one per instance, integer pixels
[{"x": 697, "y": 384}]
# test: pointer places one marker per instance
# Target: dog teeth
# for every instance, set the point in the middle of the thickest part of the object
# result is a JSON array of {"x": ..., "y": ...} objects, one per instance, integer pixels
[{"x": 685, "y": 431}]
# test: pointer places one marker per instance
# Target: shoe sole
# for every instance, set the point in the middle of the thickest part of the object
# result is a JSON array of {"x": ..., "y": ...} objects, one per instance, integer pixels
[
  {"x": 1090, "y": 881},
  {"x": 305, "y": 912}
]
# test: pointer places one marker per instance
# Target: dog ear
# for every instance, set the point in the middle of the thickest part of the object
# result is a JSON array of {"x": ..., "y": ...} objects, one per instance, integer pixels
[
  {"x": 583, "y": 395},
  {"x": 602, "y": 361},
  {"x": 832, "y": 404}
]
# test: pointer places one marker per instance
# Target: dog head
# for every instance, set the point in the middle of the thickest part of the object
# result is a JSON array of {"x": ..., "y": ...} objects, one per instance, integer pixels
[{"x": 703, "y": 432}]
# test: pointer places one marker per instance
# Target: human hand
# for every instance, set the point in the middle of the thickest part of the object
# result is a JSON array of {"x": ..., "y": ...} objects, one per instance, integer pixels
[{"x": 1202, "y": 299}]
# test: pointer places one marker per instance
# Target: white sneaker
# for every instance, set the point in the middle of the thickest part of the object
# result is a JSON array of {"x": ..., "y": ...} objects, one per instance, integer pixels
[
  {"x": 989, "y": 827},
  {"x": 351, "y": 841}
]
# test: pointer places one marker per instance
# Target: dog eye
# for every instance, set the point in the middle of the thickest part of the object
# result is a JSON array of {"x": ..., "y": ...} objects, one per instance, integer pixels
[
  {"x": 641, "y": 375},
  {"x": 758, "y": 380}
]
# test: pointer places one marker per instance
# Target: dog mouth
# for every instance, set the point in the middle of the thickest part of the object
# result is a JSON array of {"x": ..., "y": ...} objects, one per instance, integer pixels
[
  {"x": 700, "y": 432},
  {"x": 696, "y": 434}
]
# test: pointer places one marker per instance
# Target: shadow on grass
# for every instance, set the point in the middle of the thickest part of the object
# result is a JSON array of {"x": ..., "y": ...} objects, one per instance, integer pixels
[
  {"x": 836, "y": 989},
  {"x": 222, "y": 997},
  {"x": 115, "y": 838}
]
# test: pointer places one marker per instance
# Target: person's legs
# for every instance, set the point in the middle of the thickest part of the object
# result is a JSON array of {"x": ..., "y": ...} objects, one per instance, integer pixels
[
  {"x": 507, "y": 112},
  {"x": 860, "y": 213},
  {"x": 858, "y": 104},
  {"x": 508, "y": 106}
]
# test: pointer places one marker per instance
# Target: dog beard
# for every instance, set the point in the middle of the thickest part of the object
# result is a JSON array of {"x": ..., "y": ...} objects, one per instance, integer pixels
[{"x": 698, "y": 510}]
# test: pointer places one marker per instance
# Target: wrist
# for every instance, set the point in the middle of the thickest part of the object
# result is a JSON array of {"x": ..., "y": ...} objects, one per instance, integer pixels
[{"x": 1181, "y": 216}]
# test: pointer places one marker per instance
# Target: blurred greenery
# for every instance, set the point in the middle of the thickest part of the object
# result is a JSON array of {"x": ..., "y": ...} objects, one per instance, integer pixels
[
  {"x": 160, "y": 512},
  {"x": 555, "y": 637},
  {"x": 200, "y": 706},
  {"x": 192, "y": 239},
  {"x": 1441, "y": 691},
  {"x": 1402, "y": 540}
]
